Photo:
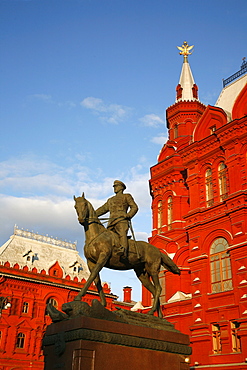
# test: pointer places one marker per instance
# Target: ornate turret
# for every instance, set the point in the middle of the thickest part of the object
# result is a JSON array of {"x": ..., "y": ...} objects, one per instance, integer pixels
[{"x": 183, "y": 116}]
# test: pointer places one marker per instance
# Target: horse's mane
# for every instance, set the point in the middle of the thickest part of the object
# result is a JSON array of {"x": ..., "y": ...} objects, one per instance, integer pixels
[{"x": 93, "y": 213}]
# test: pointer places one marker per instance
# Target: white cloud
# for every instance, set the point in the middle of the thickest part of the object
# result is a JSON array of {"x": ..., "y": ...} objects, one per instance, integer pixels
[
  {"x": 37, "y": 194},
  {"x": 152, "y": 120},
  {"x": 94, "y": 104},
  {"x": 160, "y": 139},
  {"x": 112, "y": 113}
]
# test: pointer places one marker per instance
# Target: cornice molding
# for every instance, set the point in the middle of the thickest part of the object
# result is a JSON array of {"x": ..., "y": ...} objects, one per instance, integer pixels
[{"x": 118, "y": 339}]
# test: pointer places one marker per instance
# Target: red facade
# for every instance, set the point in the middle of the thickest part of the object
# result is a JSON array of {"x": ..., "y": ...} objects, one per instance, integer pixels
[
  {"x": 199, "y": 194},
  {"x": 23, "y": 324}
]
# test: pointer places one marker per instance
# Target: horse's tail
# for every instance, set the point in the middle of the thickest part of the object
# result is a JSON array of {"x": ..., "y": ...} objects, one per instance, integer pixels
[{"x": 168, "y": 264}]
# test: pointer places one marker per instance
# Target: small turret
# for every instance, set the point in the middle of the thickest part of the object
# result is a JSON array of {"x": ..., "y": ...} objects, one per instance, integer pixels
[{"x": 181, "y": 125}]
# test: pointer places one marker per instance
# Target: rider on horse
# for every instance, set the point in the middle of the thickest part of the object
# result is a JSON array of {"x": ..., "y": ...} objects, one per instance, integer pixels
[{"x": 122, "y": 208}]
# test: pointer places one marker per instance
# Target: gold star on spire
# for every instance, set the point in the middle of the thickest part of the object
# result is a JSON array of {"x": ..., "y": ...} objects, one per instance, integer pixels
[{"x": 185, "y": 50}]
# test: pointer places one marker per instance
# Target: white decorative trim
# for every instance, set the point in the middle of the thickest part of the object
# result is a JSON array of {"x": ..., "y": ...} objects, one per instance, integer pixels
[
  {"x": 243, "y": 282},
  {"x": 196, "y": 279},
  {"x": 242, "y": 268},
  {"x": 44, "y": 238}
]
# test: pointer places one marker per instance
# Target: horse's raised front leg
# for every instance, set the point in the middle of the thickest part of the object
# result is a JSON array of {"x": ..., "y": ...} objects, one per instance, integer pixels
[{"x": 103, "y": 257}]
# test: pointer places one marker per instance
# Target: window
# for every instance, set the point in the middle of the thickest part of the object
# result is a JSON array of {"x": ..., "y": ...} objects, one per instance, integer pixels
[
  {"x": 222, "y": 181},
  {"x": 175, "y": 131},
  {"x": 216, "y": 338},
  {"x": 53, "y": 302},
  {"x": 236, "y": 345},
  {"x": 25, "y": 307},
  {"x": 15, "y": 307},
  {"x": 20, "y": 340},
  {"x": 221, "y": 274},
  {"x": 159, "y": 225},
  {"x": 209, "y": 187},
  {"x": 212, "y": 129},
  {"x": 169, "y": 213}
]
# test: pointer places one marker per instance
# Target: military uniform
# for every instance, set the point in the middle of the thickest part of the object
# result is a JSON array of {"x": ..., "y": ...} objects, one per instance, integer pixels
[{"x": 122, "y": 208}]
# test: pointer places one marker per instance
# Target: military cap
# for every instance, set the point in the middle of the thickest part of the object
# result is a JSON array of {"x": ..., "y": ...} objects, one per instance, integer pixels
[{"x": 117, "y": 182}]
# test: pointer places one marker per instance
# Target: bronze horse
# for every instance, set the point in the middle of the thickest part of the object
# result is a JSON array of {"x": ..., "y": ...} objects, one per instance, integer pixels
[{"x": 100, "y": 243}]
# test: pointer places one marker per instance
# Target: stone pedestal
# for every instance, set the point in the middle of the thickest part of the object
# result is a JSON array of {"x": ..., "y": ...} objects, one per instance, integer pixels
[{"x": 88, "y": 343}]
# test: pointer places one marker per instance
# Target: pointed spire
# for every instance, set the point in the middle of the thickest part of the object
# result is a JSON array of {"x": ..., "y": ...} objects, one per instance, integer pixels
[{"x": 186, "y": 89}]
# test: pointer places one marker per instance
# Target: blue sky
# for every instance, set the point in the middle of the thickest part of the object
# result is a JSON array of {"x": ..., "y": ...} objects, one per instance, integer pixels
[{"x": 84, "y": 88}]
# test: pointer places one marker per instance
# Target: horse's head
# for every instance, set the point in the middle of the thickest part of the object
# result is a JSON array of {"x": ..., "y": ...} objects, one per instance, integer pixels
[{"x": 81, "y": 208}]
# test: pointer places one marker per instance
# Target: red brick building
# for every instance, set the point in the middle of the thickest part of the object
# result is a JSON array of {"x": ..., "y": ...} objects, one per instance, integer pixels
[
  {"x": 199, "y": 194},
  {"x": 35, "y": 270}
]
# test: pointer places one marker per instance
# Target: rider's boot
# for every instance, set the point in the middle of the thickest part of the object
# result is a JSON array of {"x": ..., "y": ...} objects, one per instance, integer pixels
[
  {"x": 125, "y": 254},
  {"x": 120, "y": 251},
  {"x": 124, "y": 244}
]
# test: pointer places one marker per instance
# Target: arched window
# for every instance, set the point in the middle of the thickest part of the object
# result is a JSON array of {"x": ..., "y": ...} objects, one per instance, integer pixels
[
  {"x": 222, "y": 181},
  {"x": 159, "y": 223},
  {"x": 221, "y": 274},
  {"x": 53, "y": 302},
  {"x": 209, "y": 187},
  {"x": 169, "y": 213},
  {"x": 20, "y": 342},
  {"x": 25, "y": 307}
]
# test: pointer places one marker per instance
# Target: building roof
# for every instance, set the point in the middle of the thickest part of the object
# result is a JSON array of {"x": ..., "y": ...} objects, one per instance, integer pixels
[
  {"x": 33, "y": 250},
  {"x": 229, "y": 95},
  {"x": 187, "y": 82}
]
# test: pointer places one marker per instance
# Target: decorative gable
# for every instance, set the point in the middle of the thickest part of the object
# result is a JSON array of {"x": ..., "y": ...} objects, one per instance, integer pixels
[
  {"x": 55, "y": 270},
  {"x": 212, "y": 119},
  {"x": 166, "y": 151}
]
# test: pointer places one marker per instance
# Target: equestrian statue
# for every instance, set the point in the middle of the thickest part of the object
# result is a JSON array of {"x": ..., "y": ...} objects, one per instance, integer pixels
[{"x": 110, "y": 247}]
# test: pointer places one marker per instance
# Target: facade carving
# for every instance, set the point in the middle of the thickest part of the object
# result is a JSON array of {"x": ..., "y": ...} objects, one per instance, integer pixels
[{"x": 199, "y": 192}]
